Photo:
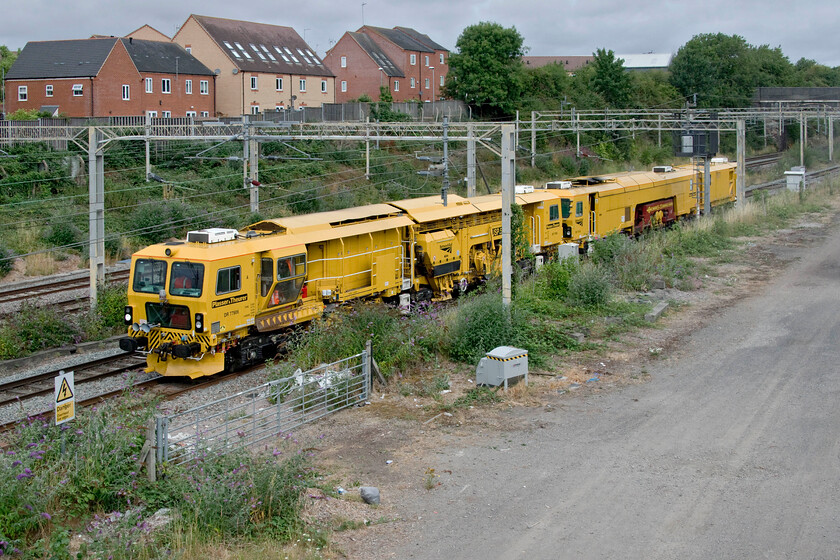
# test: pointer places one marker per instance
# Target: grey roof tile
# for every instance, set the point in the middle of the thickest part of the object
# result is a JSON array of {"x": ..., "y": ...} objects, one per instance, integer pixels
[
  {"x": 163, "y": 58},
  {"x": 377, "y": 54},
  {"x": 61, "y": 59}
]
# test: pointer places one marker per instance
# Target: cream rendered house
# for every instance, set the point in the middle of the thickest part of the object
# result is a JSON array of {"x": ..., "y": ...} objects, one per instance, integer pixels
[{"x": 258, "y": 66}]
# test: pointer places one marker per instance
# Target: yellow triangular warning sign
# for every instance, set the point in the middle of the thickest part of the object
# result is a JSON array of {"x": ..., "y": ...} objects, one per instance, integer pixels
[{"x": 64, "y": 392}]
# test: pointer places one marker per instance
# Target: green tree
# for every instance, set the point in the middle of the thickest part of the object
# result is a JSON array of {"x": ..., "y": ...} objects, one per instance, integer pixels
[
  {"x": 611, "y": 80},
  {"x": 724, "y": 70},
  {"x": 7, "y": 58},
  {"x": 545, "y": 88},
  {"x": 487, "y": 71},
  {"x": 652, "y": 90},
  {"x": 808, "y": 73}
]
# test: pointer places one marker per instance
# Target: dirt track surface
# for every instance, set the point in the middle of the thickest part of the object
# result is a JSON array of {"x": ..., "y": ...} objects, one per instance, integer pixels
[{"x": 720, "y": 443}]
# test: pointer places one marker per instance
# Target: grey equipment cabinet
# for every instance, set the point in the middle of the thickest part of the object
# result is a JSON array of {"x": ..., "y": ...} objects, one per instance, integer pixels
[{"x": 500, "y": 365}]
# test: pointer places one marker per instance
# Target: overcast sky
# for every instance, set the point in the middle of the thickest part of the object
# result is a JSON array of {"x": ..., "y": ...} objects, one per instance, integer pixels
[{"x": 567, "y": 27}]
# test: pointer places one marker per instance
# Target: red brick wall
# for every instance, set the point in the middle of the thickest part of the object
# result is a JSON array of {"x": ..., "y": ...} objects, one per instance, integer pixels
[
  {"x": 102, "y": 95},
  {"x": 361, "y": 74}
]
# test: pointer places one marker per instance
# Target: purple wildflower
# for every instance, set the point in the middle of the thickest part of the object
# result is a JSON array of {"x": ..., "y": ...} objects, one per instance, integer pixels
[{"x": 46, "y": 515}]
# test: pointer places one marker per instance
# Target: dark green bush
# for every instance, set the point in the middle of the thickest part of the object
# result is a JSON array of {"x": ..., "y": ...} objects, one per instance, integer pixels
[{"x": 589, "y": 287}]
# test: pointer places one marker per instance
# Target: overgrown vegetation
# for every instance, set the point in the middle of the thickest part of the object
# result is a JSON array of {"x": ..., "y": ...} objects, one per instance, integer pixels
[{"x": 83, "y": 478}]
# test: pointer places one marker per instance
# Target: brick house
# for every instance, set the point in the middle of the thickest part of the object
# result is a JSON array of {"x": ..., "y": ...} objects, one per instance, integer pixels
[
  {"x": 259, "y": 66},
  {"x": 110, "y": 77},
  {"x": 407, "y": 61}
]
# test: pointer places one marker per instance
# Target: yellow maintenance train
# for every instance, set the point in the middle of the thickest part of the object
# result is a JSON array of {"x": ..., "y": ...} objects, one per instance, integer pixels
[{"x": 223, "y": 299}]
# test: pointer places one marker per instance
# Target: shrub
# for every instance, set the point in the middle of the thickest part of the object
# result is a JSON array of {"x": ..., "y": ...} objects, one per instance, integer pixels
[
  {"x": 589, "y": 287},
  {"x": 7, "y": 261},
  {"x": 479, "y": 324},
  {"x": 62, "y": 233},
  {"x": 555, "y": 276}
]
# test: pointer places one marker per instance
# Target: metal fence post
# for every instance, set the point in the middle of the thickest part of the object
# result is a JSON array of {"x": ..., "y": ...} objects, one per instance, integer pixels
[
  {"x": 151, "y": 457},
  {"x": 160, "y": 438},
  {"x": 367, "y": 356}
]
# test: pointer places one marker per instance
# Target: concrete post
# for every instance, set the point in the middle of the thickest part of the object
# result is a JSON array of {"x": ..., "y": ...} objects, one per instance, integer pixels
[
  {"x": 445, "y": 189},
  {"x": 533, "y": 138},
  {"x": 367, "y": 148},
  {"x": 96, "y": 174},
  {"x": 254, "y": 173},
  {"x": 508, "y": 178},
  {"x": 741, "y": 169},
  {"x": 470, "y": 160}
]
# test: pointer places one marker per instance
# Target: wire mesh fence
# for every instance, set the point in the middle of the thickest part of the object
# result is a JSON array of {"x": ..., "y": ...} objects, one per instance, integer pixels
[{"x": 263, "y": 412}]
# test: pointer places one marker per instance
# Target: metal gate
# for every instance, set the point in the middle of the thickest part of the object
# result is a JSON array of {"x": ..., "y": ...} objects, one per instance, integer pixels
[{"x": 262, "y": 412}]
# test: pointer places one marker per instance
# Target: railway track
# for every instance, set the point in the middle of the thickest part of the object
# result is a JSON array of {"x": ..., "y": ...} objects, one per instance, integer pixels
[
  {"x": 780, "y": 184},
  {"x": 63, "y": 291},
  {"x": 41, "y": 384},
  {"x": 764, "y": 160}
]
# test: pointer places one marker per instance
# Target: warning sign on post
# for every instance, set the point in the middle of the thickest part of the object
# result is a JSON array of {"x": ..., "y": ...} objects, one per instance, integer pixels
[{"x": 65, "y": 398}]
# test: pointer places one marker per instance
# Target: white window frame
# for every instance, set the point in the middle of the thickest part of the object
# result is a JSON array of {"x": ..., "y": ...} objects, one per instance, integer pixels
[
  {"x": 412, "y": 59},
  {"x": 165, "y": 85},
  {"x": 191, "y": 114},
  {"x": 188, "y": 87},
  {"x": 126, "y": 92},
  {"x": 426, "y": 82},
  {"x": 344, "y": 62},
  {"x": 427, "y": 60},
  {"x": 205, "y": 113},
  {"x": 48, "y": 90},
  {"x": 441, "y": 81},
  {"x": 188, "y": 49},
  {"x": 302, "y": 85},
  {"x": 343, "y": 86},
  {"x": 255, "y": 109},
  {"x": 396, "y": 85},
  {"x": 23, "y": 93},
  {"x": 441, "y": 58},
  {"x": 255, "y": 84},
  {"x": 204, "y": 87},
  {"x": 166, "y": 114},
  {"x": 278, "y": 84},
  {"x": 413, "y": 83},
  {"x": 152, "y": 114},
  {"x": 150, "y": 85},
  {"x": 80, "y": 88},
  {"x": 323, "y": 86}
]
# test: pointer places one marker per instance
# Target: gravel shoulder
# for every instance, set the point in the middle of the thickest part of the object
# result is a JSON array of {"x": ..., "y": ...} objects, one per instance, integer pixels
[{"x": 402, "y": 446}]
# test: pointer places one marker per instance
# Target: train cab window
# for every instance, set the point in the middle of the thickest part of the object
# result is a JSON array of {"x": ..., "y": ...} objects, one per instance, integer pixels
[
  {"x": 553, "y": 212},
  {"x": 578, "y": 209},
  {"x": 566, "y": 205},
  {"x": 291, "y": 275},
  {"x": 266, "y": 276},
  {"x": 187, "y": 279},
  {"x": 149, "y": 276},
  {"x": 228, "y": 280}
]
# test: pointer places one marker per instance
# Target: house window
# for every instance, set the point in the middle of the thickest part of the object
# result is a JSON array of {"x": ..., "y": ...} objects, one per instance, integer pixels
[
  {"x": 413, "y": 83},
  {"x": 279, "y": 108},
  {"x": 303, "y": 85},
  {"x": 188, "y": 87},
  {"x": 49, "y": 90},
  {"x": 343, "y": 86},
  {"x": 396, "y": 85},
  {"x": 427, "y": 83},
  {"x": 441, "y": 81},
  {"x": 413, "y": 59},
  {"x": 441, "y": 58},
  {"x": 254, "y": 82},
  {"x": 427, "y": 60},
  {"x": 166, "y": 114},
  {"x": 323, "y": 86},
  {"x": 150, "y": 88},
  {"x": 191, "y": 113},
  {"x": 151, "y": 114},
  {"x": 23, "y": 93},
  {"x": 344, "y": 62},
  {"x": 255, "y": 109},
  {"x": 78, "y": 90},
  {"x": 204, "y": 86},
  {"x": 166, "y": 85},
  {"x": 205, "y": 113},
  {"x": 278, "y": 84},
  {"x": 126, "y": 92},
  {"x": 188, "y": 49}
]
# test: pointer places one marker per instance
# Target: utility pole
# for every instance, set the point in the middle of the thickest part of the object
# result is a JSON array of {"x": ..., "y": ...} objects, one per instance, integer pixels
[
  {"x": 254, "y": 173},
  {"x": 96, "y": 174},
  {"x": 367, "y": 146},
  {"x": 445, "y": 189},
  {"x": 508, "y": 178},
  {"x": 741, "y": 169},
  {"x": 470, "y": 160},
  {"x": 533, "y": 138},
  {"x": 148, "y": 133}
]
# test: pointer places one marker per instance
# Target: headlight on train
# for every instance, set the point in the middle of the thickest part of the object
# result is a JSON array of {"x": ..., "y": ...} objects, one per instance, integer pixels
[
  {"x": 128, "y": 315},
  {"x": 199, "y": 322}
]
